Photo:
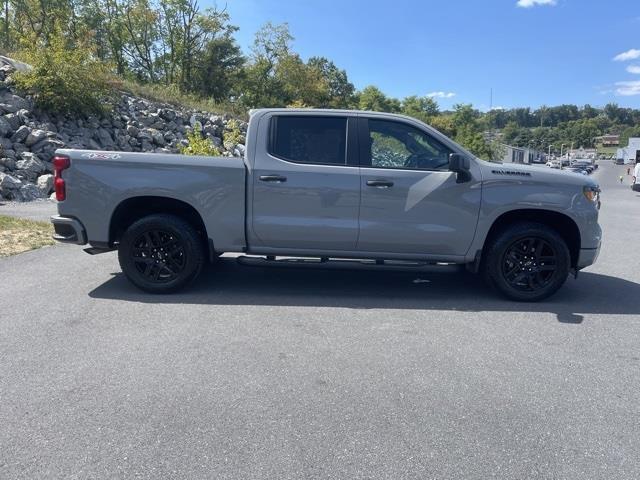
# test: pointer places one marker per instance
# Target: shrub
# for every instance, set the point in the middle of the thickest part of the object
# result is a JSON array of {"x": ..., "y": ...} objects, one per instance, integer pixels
[
  {"x": 232, "y": 134},
  {"x": 198, "y": 145},
  {"x": 65, "y": 80}
]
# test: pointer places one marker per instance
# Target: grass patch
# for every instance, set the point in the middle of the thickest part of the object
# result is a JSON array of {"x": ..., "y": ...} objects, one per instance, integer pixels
[
  {"x": 18, "y": 235},
  {"x": 607, "y": 150},
  {"x": 172, "y": 96}
]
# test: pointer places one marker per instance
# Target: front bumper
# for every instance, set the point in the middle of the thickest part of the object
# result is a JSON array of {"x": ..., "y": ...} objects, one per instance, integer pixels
[
  {"x": 588, "y": 256},
  {"x": 68, "y": 230}
]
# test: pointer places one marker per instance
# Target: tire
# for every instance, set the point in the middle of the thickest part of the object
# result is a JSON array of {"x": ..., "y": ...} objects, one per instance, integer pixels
[
  {"x": 161, "y": 253},
  {"x": 527, "y": 262}
]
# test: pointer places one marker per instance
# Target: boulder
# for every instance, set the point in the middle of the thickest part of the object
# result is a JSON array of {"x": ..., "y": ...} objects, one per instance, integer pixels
[
  {"x": 8, "y": 185},
  {"x": 15, "y": 100},
  {"x": 158, "y": 138},
  {"x": 45, "y": 184},
  {"x": 21, "y": 134},
  {"x": 5, "y": 127},
  {"x": 196, "y": 119},
  {"x": 34, "y": 137},
  {"x": 5, "y": 144},
  {"x": 14, "y": 120},
  {"x": 217, "y": 141},
  {"x": 104, "y": 137},
  {"x": 31, "y": 163},
  {"x": 7, "y": 108},
  {"x": 132, "y": 130},
  {"x": 24, "y": 115},
  {"x": 213, "y": 130},
  {"x": 27, "y": 193},
  {"x": 45, "y": 148},
  {"x": 8, "y": 163},
  {"x": 167, "y": 114}
]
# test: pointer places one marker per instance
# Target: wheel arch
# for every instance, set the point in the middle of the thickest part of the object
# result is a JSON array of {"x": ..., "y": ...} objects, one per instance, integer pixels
[
  {"x": 566, "y": 227},
  {"x": 134, "y": 208}
]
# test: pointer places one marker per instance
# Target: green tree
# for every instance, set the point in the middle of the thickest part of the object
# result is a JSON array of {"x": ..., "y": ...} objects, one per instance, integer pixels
[
  {"x": 262, "y": 86},
  {"x": 422, "y": 108},
  {"x": 339, "y": 90},
  {"x": 373, "y": 99},
  {"x": 221, "y": 69}
]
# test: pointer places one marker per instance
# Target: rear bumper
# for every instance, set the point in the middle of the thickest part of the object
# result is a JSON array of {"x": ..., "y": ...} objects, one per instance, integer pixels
[
  {"x": 68, "y": 230},
  {"x": 588, "y": 256}
]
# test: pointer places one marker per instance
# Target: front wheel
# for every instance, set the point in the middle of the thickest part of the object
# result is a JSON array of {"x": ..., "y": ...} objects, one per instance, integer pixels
[
  {"x": 161, "y": 253},
  {"x": 527, "y": 262}
]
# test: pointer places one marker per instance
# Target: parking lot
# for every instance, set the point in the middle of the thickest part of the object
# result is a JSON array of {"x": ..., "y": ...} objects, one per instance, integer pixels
[{"x": 287, "y": 373}]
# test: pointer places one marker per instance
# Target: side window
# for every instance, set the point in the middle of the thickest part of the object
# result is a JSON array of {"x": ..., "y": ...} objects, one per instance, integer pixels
[
  {"x": 398, "y": 145},
  {"x": 306, "y": 139}
]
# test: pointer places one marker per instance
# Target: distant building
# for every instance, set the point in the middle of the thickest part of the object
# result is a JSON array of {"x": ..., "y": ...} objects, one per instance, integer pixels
[
  {"x": 631, "y": 152},
  {"x": 589, "y": 153},
  {"x": 522, "y": 155},
  {"x": 608, "y": 140}
]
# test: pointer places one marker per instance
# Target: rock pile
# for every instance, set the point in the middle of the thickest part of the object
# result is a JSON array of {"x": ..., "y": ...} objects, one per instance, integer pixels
[{"x": 29, "y": 137}]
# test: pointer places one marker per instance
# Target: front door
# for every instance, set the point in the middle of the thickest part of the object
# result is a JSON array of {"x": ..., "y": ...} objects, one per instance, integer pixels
[
  {"x": 411, "y": 203},
  {"x": 306, "y": 184}
]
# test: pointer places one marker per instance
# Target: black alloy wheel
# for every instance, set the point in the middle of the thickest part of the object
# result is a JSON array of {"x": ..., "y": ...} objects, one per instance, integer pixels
[
  {"x": 526, "y": 261},
  {"x": 161, "y": 253},
  {"x": 159, "y": 256},
  {"x": 529, "y": 264}
]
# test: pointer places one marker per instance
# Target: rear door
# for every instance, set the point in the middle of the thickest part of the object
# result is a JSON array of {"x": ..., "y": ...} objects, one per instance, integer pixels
[
  {"x": 306, "y": 183},
  {"x": 411, "y": 202}
]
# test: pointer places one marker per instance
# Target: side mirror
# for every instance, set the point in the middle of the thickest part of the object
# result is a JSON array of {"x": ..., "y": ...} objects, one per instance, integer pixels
[{"x": 461, "y": 165}]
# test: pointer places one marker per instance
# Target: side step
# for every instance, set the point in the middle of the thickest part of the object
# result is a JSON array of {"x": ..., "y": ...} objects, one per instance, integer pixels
[
  {"x": 351, "y": 264},
  {"x": 98, "y": 250}
]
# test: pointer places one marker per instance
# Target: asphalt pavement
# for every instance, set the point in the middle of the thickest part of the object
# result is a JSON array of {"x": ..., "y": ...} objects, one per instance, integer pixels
[
  {"x": 259, "y": 373},
  {"x": 39, "y": 210}
]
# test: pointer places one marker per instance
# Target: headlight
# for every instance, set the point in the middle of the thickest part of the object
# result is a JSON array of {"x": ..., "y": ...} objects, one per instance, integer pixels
[{"x": 592, "y": 193}]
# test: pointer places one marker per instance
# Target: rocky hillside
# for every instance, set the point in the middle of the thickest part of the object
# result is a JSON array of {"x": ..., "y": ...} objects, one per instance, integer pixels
[{"x": 29, "y": 138}]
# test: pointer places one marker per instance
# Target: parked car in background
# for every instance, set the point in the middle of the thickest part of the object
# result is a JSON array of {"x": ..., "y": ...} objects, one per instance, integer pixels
[
  {"x": 554, "y": 164},
  {"x": 328, "y": 187}
]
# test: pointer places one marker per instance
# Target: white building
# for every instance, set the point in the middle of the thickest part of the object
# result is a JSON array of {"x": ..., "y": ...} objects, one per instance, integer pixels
[
  {"x": 586, "y": 153},
  {"x": 522, "y": 155},
  {"x": 631, "y": 152}
]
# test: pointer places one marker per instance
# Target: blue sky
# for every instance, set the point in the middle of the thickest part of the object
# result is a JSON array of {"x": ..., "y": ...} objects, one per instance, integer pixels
[{"x": 530, "y": 52}]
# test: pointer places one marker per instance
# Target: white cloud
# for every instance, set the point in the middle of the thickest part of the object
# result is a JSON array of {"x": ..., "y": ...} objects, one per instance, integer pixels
[
  {"x": 628, "y": 55},
  {"x": 628, "y": 89},
  {"x": 634, "y": 69},
  {"x": 441, "y": 94},
  {"x": 533, "y": 3}
]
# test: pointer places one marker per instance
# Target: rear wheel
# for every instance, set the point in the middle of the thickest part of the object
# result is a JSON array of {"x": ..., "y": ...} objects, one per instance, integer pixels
[
  {"x": 527, "y": 262},
  {"x": 161, "y": 253}
]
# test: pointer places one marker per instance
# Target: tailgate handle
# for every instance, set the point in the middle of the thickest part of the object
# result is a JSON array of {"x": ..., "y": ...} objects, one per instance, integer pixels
[
  {"x": 380, "y": 183},
  {"x": 273, "y": 178}
]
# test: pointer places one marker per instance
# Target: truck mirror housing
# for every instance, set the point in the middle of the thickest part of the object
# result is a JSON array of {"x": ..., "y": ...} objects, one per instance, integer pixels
[{"x": 460, "y": 164}]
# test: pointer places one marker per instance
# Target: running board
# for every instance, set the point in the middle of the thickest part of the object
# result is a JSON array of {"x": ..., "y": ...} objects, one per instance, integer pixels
[
  {"x": 98, "y": 250},
  {"x": 351, "y": 264}
]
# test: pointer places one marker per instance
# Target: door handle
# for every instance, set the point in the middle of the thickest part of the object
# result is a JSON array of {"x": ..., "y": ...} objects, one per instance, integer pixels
[
  {"x": 380, "y": 183},
  {"x": 273, "y": 178}
]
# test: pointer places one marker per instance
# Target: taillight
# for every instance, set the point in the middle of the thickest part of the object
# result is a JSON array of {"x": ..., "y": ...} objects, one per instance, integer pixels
[{"x": 60, "y": 163}]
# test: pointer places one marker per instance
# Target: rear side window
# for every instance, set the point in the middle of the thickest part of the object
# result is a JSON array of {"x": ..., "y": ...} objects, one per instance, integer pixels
[{"x": 305, "y": 139}]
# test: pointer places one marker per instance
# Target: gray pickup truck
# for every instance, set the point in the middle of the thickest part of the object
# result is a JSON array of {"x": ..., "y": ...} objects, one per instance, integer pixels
[{"x": 325, "y": 187}]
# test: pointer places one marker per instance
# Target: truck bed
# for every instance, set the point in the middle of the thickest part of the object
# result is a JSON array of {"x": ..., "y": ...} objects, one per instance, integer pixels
[{"x": 107, "y": 181}]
